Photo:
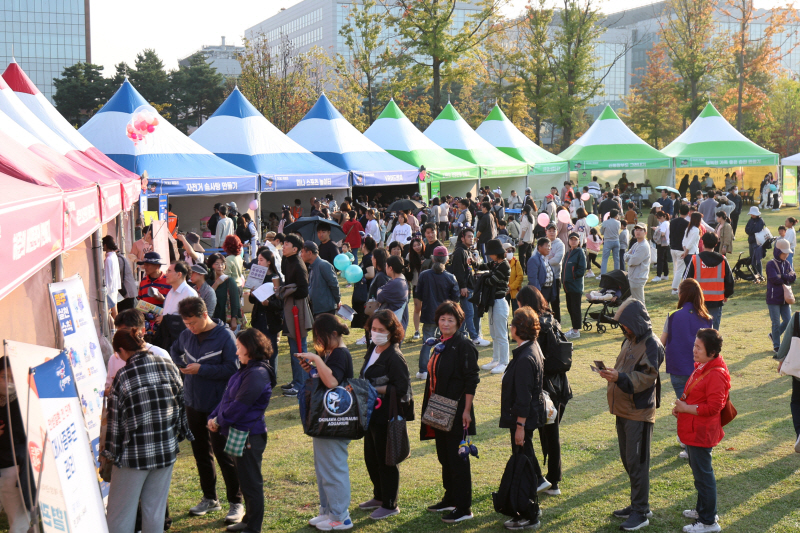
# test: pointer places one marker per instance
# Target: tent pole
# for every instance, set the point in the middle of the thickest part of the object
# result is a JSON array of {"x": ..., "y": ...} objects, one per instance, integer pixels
[
  {"x": 100, "y": 281},
  {"x": 258, "y": 221}
]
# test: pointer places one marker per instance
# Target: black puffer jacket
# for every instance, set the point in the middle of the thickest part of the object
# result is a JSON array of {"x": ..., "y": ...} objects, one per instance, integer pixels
[{"x": 521, "y": 393}]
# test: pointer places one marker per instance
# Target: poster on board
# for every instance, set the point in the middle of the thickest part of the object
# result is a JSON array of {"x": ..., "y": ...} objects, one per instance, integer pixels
[
  {"x": 74, "y": 463},
  {"x": 22, "y": 357},
  {"x": 82, "y": 346}
]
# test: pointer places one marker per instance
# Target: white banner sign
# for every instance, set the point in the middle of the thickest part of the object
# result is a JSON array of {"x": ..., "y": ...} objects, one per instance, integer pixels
[
  {"x": 74, "y": 463},
  {"x": 74, "y": 314}
]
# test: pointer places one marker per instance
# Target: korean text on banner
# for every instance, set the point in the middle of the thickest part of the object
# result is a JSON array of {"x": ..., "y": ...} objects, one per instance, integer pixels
[
  {"x": 58, "y": 399},
  {"x": 22, "y": 357},
  {"x": 82, "y": 346}
]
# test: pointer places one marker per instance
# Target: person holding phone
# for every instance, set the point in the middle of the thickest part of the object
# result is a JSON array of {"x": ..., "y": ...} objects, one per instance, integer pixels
[
  {"x": 333, "y": 364},
  {"x": 632, "y": 398}
]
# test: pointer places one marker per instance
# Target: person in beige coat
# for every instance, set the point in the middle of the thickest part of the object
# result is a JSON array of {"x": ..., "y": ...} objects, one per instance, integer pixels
[{"x": 724, "y": 232}]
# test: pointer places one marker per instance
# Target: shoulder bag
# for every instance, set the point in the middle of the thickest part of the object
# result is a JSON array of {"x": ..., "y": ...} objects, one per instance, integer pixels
[
  {"x": 440, "y": 412},
  {"x": 791, "y": 363},
  {"x": 728, "y": 412},
  {"x": 398, "y": 449},
  {"x": 788, "y": 295},
  {"x": 371, "y": 306}
]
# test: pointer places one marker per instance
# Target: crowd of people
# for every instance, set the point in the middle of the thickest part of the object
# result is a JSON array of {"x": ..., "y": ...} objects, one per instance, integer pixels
[{"x": 188, "y": 367}]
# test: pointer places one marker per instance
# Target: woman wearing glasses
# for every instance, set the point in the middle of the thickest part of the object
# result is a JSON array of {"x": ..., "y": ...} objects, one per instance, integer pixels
[{"x": 453, "y": 373}]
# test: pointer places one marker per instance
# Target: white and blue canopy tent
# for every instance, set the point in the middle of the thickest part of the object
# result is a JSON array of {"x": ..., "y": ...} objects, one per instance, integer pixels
[
  {"x": 238, "y": 133},
  {"x": 175, "y": 164},
  {"x": 328, "y": 135}
]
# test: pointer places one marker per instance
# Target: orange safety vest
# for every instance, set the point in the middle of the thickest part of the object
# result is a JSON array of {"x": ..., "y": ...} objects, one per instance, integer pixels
[
  {"x": 172, "y": 224},
  {"x": 711, "y": 279}
]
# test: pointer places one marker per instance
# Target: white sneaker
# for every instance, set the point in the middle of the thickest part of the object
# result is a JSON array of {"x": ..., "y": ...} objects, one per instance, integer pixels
[
  {"x": 657, "y": 278},
  {"x": 499, "y": 369},
  {"x": 480, "y": 341},
  {"x": 589, "y": 274},
  {"x": 489, "y": 366},
  {"x": 797, "y": 445},
  {"x": 573, "y": 334},
  {"x": 422, "y": 375},
  {"x": 699, "y": 527},
  {"x": 362, "y": 341},
  {"x": 674, "y": 292},
  {"x": 416, "y": 336},
  {"x": 684, "y": 454},
  {"x": 692, "y": 514},
  {"x": 329, "y": 525},
  {"x": 317, "y": 519},
  {"x": 682, "y": 445}
]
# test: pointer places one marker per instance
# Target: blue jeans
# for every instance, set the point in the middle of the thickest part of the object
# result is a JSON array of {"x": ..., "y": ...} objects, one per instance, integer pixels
[
  {"x": 716, "y": 316},
  {"x": 678, "y": 384},
  {"x": 299, "y": 376},
  {"x": 780, "y": 316},
  {"x": 354, "y": 251},
  {"x": 498, "y": 328},
  {"x": 610, "y": 248},
  {"x": 791, "y": 259},
  {"x": 622, "y": 258},
  {"x": 755, "y": 263},
  {"x": 428, "y": 331},
  {"x": 704, "y": 482},
  {"x": 333, "y": 477},
  {"x": 469, "y": 317}
]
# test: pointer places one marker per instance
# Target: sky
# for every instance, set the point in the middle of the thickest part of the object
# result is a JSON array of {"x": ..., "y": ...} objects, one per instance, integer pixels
[{"x": 177, "y": 28}]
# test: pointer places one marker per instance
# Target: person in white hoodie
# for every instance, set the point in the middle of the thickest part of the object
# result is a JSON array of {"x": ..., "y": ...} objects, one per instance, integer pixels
[
  {"x": 691, "y": 238},
  {"x": 638, "y": 261},
  {"x": 112, "y": 276}
]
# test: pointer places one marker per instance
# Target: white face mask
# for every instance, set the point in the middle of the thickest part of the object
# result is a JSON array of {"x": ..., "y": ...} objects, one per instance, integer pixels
[
  {"x": 379, "y": 338},
  {"x": 510, "y": 256}
]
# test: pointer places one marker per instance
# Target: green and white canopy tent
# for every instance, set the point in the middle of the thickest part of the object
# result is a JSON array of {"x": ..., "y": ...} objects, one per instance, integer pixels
[
  {"x": 393, "y": 132},
  {"x": 452, "y": 133},
  {"x": 711, "y": 141},
  {"x": 610, "y": 145},
  {"x": 503, "y": 135}
]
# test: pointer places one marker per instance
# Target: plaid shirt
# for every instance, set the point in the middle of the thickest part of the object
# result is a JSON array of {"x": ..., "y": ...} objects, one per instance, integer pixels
[{"x": 146, "y": 414}]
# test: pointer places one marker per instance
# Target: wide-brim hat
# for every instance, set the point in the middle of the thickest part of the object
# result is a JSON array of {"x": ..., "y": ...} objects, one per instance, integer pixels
[
  {"x": 194, "y": 240},
  {"x": 495, "y": 247},
  {"x": 151, "y": 258},
  {"x": 755, "y": 211}
]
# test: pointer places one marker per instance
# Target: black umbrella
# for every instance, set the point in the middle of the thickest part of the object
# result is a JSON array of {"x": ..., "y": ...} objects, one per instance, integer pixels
[
  {"x": 404, "y": 205},
  {"x": 307, "y": 228}
]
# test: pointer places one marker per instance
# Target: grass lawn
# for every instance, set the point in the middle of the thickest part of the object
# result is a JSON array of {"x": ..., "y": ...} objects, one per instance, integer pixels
[{"x": 756, "y": 467}]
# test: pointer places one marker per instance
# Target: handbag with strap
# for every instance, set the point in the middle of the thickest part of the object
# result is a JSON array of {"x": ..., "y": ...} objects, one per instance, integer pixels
[
  {"x": 788, "y": 294},
  {"x": 371, "y": 306},
  {"x": 440, "y": 412},
  {"x": 398, "y": 449},
  {"x": 237, "y": 439},
  {"x": 791, "y": 363},
  {"x": 728, "y": 412}
]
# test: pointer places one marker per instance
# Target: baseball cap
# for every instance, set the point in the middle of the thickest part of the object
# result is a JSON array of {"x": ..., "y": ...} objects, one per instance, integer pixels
[
  {"x": 551, "y": 226},
  {"x": 440, "y": 251},
  {"x": 311, "y": 246},
  {"x": 200, "y": 268},
  {"x": 783, "y": 245}
]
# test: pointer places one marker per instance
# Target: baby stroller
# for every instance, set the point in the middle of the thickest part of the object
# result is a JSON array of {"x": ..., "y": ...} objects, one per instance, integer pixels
[
  {"x": 614, "y": 289},
  {"x": 743, "y": 269}
]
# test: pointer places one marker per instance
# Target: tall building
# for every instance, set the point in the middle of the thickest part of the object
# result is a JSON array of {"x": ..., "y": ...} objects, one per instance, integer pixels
[
  {"x": 223, "y": 57},
  {"x": 45, "y": 37}
]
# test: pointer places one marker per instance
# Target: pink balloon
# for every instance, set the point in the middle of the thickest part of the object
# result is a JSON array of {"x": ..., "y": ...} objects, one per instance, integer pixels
[
  {"x": 253, "y": 205},
  {"x": 605, "y": 217},
  {"x": 585, "y": 196},
  {"x": 563, "y": 216},
  {"x": 543, "y": 219},
  {"x": 150, "y": 129}
]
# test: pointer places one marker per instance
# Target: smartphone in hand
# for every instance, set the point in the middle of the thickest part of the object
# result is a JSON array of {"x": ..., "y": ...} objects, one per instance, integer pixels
[{"x": 600, "y": 365}]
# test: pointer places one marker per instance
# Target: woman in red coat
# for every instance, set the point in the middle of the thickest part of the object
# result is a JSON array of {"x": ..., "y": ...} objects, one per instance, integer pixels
[{"x": 699, "y": 425}]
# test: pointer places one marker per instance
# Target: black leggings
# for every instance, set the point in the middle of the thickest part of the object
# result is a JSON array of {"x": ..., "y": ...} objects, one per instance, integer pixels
[
  {"x": 524, "y": 255},
  {"x": 574, "y": 308},
  {"x": 662, "y": 264},
  {"x": 593, "y": 260}
]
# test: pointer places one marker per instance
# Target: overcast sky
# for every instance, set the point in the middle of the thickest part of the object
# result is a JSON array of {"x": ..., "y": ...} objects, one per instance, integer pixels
[{"x": 177, "y": 28}]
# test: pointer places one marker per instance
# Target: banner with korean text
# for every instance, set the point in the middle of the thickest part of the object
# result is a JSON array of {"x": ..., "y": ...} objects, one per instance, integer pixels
[
  {"x": 81, "y": 344},
  {"x": 74, "y": 462},
  {"x": 22, "y": 357}
]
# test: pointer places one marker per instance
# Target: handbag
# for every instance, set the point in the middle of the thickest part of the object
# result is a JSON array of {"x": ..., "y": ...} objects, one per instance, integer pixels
[
  {"x": 440, "y": 412},
  {"x": 728, "y": 412},
  {"x": 237, "y": 438},
  {"x": 549, "y": 409},
  {"x": 342, "y": 412},
  {"x": 791, "y": 363},
  {"x": 371, "y": 306},
  {"x": 398, "y": 449},
  {"x": 762, "y": 236},
  {"x": 788, "y": 294}
]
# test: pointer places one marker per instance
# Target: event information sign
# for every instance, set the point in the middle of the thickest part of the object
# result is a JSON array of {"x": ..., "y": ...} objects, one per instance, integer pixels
[
  {"x": 22, "y": 357},
  {"x": 82, "y": 347},
  {"x": 61, "y": 409},
  {"x": 789, "y": 186}
]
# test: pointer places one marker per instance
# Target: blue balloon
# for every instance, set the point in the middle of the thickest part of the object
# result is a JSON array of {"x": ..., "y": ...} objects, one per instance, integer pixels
[
  {"x": 341, "y": 262},
  {"x": 353, "y": 274},
  {"x": 592, "y": 220}
]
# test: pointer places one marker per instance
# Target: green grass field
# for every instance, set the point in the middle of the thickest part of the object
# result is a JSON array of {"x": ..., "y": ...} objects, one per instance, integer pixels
[{"x": 755, "y": 464}]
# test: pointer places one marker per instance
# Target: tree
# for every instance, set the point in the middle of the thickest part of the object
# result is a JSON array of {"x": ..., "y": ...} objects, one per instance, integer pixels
[
  {"x": 535, "y": 49},
  {"x": 370, "y": 55},
  {"x": 197, "y": 91},
  {"x": 694, "y": 47},
  {"x": 755, "y": 52},
  {"x": 427, "y": 32},
  {"x": 122, "y": 71},
  {"x": 573, "y": 65},
  {"x": 784, "y": 106},
  {"x": 651, "y": 107},
  {"x": 150, "y": 78},
  {"x": 80, "y": 92}
]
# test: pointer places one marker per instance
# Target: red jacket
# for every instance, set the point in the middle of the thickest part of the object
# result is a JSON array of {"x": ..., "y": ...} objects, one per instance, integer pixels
[{"x": 709, "y": 395}]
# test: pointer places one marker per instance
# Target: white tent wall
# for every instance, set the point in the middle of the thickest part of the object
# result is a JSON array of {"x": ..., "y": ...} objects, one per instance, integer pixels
[
  {"x": 540, "y": 185},
  {"x": 458, "y": 188},
  {"x": 506, "y": 184}
]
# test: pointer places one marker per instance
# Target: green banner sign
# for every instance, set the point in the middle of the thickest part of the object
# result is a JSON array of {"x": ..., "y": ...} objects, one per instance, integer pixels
[
  {"x": 789, "y": 186},
  {"x": 550, "y": 168},
  {"x": 435, "y": 189},
  {"x": 724, "y": 162},
  {"x": 620, "y": 164}
]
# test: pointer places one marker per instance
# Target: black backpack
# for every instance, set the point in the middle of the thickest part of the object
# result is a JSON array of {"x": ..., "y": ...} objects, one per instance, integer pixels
[
  {"x": 516, "y": 495},
  {"x": 558, "y": 357},
  {"x": 483, "y": 295}
]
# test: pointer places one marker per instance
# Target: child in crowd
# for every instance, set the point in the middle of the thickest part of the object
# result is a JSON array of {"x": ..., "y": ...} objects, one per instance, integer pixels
[
  {"x": 345, "y": 249},
  {"x": 790, "y": 236},
  {"x": 630, "y": 216},
  {"x": 501, "y": 227},
  {"x": 593, "y": 244}
]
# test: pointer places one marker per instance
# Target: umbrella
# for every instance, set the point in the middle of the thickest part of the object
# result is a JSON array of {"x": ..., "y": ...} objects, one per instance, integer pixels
[
  {"x": 307, "y": 228},
  {"x": 404, "y": 205},
  {"x": 668, "y": 189}
]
